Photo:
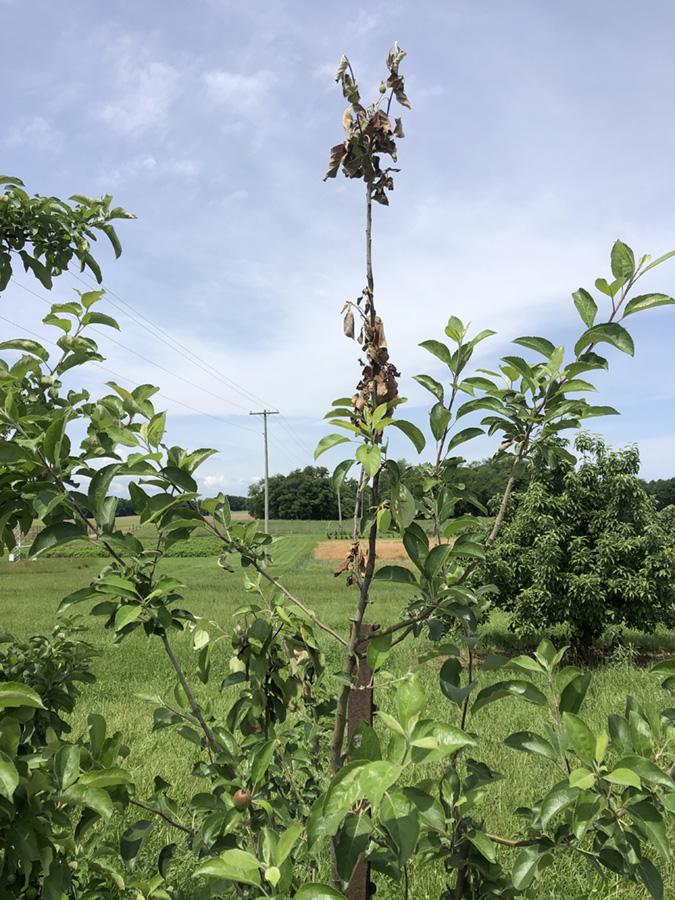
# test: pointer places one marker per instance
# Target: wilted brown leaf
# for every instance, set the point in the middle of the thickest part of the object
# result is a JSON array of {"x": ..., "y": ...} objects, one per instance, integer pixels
[
  {"x": 337, "y": 154},
  {"x": 348, "y": 324}
]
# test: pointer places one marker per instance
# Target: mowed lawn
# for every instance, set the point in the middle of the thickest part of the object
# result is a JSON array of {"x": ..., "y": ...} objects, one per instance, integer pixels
[{"x": 29, "y": 595}]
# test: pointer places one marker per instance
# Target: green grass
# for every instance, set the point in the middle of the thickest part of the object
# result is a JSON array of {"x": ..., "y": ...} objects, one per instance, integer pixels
[{"x": 30, "y": 594}]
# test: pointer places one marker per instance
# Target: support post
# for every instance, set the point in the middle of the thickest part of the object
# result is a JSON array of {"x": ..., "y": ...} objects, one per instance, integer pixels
[{"x": 361, "y": 709}]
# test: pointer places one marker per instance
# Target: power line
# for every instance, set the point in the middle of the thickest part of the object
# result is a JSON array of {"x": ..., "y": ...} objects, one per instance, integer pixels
[
  {"x": 213, "y": 373},
  {"x": 166, "y": 336},
  {"x": 205, "y": 366},
  {"x": 148, "y": 360},
  {"x": 161, "y": 394}
]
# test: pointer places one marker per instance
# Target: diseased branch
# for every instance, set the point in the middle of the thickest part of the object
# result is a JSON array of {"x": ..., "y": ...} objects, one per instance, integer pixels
[{"x": 354, "y": 640}]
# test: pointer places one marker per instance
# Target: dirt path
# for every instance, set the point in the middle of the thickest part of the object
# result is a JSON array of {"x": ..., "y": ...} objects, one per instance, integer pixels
[{"x": 337, "y": 550}]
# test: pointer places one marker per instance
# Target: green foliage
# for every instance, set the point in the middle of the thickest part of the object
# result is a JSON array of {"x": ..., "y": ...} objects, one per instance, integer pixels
[
  {"x": 662, "y": 490},
  {"x": 585, "y": 547},
  {"x": 55, "y": 796},
  {"x": 307, "y": 493},
  {"x": 46, "y": 233}
]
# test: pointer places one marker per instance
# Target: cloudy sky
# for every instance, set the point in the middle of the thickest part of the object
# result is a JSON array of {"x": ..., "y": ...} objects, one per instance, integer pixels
[{"x": 540, "y": 133}]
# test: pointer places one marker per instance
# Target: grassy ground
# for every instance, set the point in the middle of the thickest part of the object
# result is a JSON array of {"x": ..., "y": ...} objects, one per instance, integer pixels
[{"x": 30, "y": 592}]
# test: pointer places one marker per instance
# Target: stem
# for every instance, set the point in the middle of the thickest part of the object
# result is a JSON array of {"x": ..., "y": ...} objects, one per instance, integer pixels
[
  {"x": 194, "y": 706},
  {"x": 307, "y": 611},
  {"x": 158, "y": 812},
  {"x": 499, "y": 519},
  {"x": 465, "y": 706}
]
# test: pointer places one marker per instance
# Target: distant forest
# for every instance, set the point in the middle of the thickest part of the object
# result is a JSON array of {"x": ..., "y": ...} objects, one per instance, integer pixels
[{"x": 309, "y": 494}]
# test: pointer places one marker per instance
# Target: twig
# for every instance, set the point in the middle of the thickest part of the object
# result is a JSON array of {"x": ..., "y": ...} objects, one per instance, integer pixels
[
  {"x": 158, "y": 812},
  {"x": 194, "y": 706}
]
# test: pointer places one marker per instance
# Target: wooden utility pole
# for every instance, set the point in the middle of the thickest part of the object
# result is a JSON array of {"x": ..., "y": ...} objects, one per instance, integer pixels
[{"x": 265, "y": 413}]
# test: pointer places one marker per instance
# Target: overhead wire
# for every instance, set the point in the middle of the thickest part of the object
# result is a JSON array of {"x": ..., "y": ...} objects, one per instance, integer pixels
[{"x": 199, "y": 363}]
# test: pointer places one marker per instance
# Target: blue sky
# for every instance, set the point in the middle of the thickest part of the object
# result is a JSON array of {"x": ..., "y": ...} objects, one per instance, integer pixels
[{"x": 540, "y": 133}]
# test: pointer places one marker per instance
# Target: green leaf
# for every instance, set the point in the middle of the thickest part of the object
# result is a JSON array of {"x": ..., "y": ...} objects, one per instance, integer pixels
[
  {"x": 11, "y": 453},
  {"x": 31, "y": 347},
  {"x": 483, "y": 844},
  {"x": 586, "y": 306},
  {"x": 648, "y": 818},
  {"x": 529, "y": 742},
  {"x": 398, "y": 574},
  {"x": 525, "y": 867},
  {"x": 370, "y": 457},
  {"x": 378, "y": 651},
  {"x": 403, "y": 506},
  {"x": 330, "y": 440},
  {"x": 539, "y": 344},
  {"x": 574, "y": 693},
  {"x": 352, "y": 841},
  {"x": 411, "y": 701},
  {"x": 411, "y": 431},
  {"x": 558, "y": 799},
  {"x": 433, "y": 386},
  {"x": 67, "y": 765},
  {"x": 646, "y": 301},
  {"x": 103, "y": 778},
  {"x": 439, "y": 417},
  {"x": 623, "y": 776},
  {"x": 608, "y": 333},
  {"x": 466, "y": 434},
  {"x": 55, "y": 536},
  {"x": 14, "y": 694},
  {"x": 97, "y": 318},
  {"x": 647, "y": 771},
  {"x": 516, "y": 688},
  {"x": 134, "y": 838},
  {"x": 9, "y": 777},
  {"x": 232, "y": 865},
  {"x": 340, "y": 473},
  {"x": 439, "y": 350},
  {"x": 262, "y": 759},
  {"x": 318, "y": 892},
  {"x": 664, "y": 667},
  {"x": 581, "y": 737},
  {"x": 581, "y": 778},
  {"x": 651, "y": 878},
  {"x": 659, "y": 260},
  {"x": 287, "y": 840},
  {"x": 127, "y": 614},
  {"x": 354, "y": 782},
  {"x": 400, "y": 819},
  {"x": 436, "y": 559},
  {"x": 623, "y": 260}
]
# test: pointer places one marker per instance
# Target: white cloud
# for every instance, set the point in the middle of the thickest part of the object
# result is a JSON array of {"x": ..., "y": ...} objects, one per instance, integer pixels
[
  {"x": 35, "y": 132},
  {"x": 240, "y": 93},
  {"x": 144, "y": 91},
  {"x": 147, "y": 165}
]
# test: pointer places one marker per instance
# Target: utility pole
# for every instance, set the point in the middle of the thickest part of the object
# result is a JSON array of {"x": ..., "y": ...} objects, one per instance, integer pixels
[{"x": 265, "y": 413}]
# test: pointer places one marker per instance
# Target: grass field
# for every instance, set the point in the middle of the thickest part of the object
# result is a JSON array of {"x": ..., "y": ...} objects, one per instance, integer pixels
[{"x": 30, "y": 593}]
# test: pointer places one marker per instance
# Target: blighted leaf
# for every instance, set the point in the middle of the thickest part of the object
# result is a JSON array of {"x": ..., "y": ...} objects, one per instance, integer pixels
[
  {"x": 337, "y": 154},
  {"x": 348, "y": 324}
]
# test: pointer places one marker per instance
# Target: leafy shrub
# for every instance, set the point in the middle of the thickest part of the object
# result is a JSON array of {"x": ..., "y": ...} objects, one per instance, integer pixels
[{"x": 585, "y": 547}]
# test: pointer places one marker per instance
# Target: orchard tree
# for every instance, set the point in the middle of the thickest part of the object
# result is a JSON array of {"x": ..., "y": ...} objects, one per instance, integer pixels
[
  {"x": 585, "y": 547},
  {"x": 278, "y": 785}
]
